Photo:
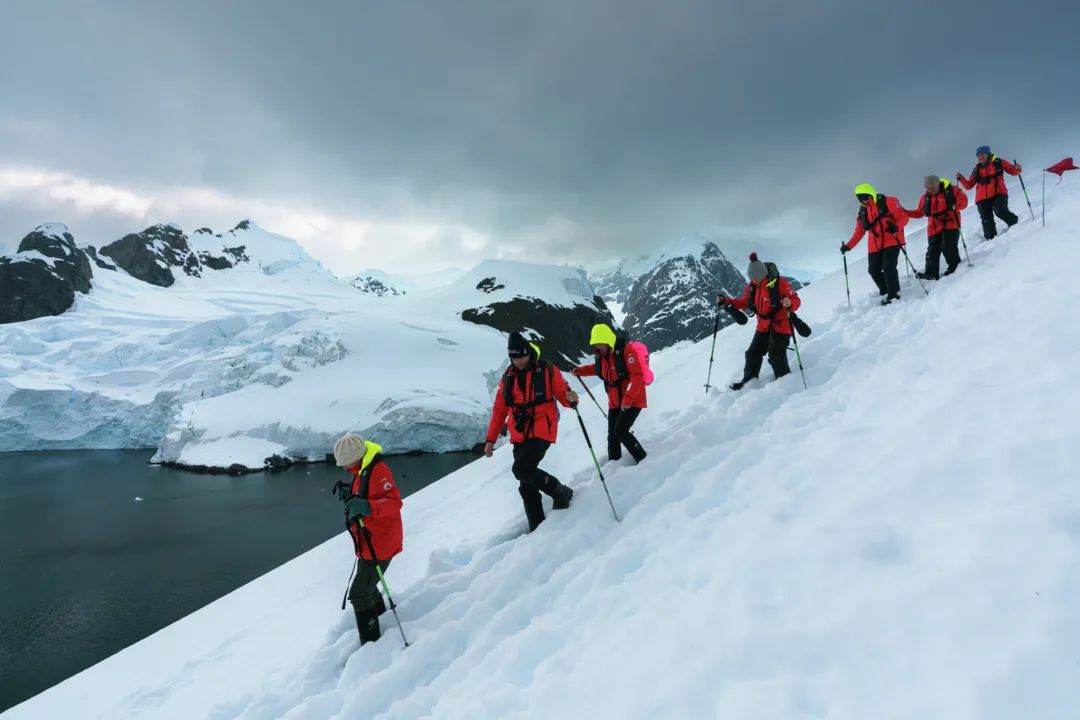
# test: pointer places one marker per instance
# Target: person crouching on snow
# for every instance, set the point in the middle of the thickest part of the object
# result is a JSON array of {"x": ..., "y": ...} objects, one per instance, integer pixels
[
  {"x": 373, "y": 519},
  {"x": 771, "y": 298},
  {"x": 527, "y": 395}
]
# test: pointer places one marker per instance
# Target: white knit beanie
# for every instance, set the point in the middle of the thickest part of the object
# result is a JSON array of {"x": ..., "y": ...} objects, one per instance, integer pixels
[{"x": 349, "y": 450}]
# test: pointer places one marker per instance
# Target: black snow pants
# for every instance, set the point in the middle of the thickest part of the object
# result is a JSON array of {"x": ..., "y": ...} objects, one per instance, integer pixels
[
  {"x": 619, "y": 435},
  {"x": 947, "y": 243},
  {"x": 532, "y": 480},
  {"x": 997, "y": 205},
  {"x": 769, "y": 343},
  {"x": 882, "y": 267},
  {"x": 367, "y": 601}
]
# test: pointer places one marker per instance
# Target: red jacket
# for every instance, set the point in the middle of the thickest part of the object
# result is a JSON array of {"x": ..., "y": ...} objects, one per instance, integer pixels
[
  {"x": 629, "y": 390},
  {"x": 541, "y": 419},
  {"x": 942, "y": 217},
  {"x": 991, "y": 182},
  {"x": 383, "y": 525},
  {"x": 768, "y": 317},
  {"x": 878, "y": 225}
]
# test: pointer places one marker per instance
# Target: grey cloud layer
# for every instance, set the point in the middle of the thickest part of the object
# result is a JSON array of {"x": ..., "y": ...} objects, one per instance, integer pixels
[{"x": 618, "y": 124}]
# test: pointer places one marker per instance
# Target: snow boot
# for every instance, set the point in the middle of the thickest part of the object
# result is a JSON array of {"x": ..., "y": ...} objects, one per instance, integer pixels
[
  {"x": 948, "y": 272},
  {"x": 562, "y": 498},
  {"x": 927, "y": 276},
  {"x": 738, "y": 385},
  {"x": 367, "y": 624}
]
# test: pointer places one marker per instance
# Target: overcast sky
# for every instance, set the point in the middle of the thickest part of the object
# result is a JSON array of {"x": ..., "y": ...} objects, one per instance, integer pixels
[{"x": 411, "y": 136}]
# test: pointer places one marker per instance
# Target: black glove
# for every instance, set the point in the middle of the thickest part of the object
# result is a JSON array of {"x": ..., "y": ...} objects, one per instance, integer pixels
[
  {"x": 357, "y": 507},
  {"x": 721, "y": 301},
  {"x": 959, "y": 177},
  {"x": 890, "y": 227},
  {"x": 343, "y": 490},
  {"x": 844, "y": 248}
]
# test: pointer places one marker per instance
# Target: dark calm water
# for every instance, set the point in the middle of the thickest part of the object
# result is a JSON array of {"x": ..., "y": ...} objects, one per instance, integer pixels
[{"x": 85, "y": 570}]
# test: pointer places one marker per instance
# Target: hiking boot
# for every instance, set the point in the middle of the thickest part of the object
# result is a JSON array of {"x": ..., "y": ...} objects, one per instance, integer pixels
[
  {"x": 367, "y": 624},
  {"x": 948, "y": 272},
  {"x": 738, "y": 385},
  {"x": 562, "y": 498},
  {"x": 927, "y": 276}
]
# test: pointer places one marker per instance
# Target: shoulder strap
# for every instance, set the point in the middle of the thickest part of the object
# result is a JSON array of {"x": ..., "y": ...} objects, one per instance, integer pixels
[
  {"x": 882, "y": 207},
  {"x": 365, "y": 475},
  {"x": 539, "y": 385}
]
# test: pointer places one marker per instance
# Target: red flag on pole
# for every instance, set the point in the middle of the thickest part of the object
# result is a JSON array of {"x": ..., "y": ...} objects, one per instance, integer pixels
[{"x": 1062, "y": 167}]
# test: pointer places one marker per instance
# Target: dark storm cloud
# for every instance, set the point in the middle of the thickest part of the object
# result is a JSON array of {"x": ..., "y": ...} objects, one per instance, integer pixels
[{"x": 586, "y": 128}]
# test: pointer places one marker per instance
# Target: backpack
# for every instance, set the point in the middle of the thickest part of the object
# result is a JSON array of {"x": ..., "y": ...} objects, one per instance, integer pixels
[
  {"x": 883, "y": 212},
  {"x": 637, "y": 350},
  {"x": 950, "y": 202},
  {"x": 980, "y": 180},
  {"x": 773, "y": 273},
  {"x": 638, "y": 354}
]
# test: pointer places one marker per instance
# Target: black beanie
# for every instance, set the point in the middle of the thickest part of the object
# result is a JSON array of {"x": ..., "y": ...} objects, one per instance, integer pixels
[{"x": 517, "y": 346}]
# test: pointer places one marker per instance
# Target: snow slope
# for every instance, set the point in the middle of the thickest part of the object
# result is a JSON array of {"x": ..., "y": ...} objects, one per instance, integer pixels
[{"x": 901, "y": 540}]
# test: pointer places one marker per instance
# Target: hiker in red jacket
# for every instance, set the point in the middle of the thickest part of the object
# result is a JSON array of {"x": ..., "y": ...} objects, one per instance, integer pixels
[
  {"x": 771, "y": 298},
  {"x": 371, "y": 498},
  {"x": 527, "y": 395},
  {"x": 884, "y": 218},
  {"x": 623, "y": 374},
  {"x": 941, "y": 204},
  {"x": 992, "y": 197}
]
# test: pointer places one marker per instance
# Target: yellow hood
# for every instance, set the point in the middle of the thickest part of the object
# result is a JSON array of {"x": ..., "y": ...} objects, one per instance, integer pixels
[
  {"x": 865, "y": 189},
  {"x": 602, "y": 335},
  {"x": 371, "y": 450}
]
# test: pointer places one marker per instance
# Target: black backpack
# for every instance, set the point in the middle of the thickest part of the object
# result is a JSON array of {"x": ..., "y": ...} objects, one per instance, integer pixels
[
  {"x": 883, "y": 212},
  {"x": 992, "y": 177},
  {"x": 950, "y": 203}
]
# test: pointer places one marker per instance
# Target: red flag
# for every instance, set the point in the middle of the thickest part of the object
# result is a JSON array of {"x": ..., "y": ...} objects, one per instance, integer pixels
[{"x": 1062, "y": 167}]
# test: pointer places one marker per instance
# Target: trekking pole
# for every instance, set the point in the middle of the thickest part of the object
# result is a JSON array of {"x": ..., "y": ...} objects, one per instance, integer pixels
[
  {"x": 596, "y": 462},
  {"x": 908, "y": 258},
  {"x": 1021, "y": 176},
  {"x": 382, "y": 579},
  {"x": 590, "y": 394},
  {"x": 962, "y": 241},
  {"x": 348, "y": 585},
  {"x": 712, "y": 353},
  {"x": 847, "y": 286},
  {"x": 797, "y": 355}
]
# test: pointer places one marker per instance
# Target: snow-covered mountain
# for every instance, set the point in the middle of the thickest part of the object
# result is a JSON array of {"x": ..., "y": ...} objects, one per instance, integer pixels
[
  {"x": 669, "y": 297},
  {"x": 237, "y": 348},
  {"x": 377, "y": 283},
  {"x": 900, "y": 540}
]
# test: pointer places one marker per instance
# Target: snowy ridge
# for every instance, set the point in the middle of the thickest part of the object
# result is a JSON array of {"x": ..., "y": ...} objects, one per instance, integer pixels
[{"x": 900, "y": 540}]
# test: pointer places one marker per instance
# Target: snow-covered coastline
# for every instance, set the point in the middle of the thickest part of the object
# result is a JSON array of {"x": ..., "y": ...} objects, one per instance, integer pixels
[{"x": 265, "y": 362}]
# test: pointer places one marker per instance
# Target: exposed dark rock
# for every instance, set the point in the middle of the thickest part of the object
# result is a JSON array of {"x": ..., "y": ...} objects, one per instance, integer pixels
[
  {"x": 489, "y": 285},
  {"x": 242, "y": 225},
  {"x": 43, "y": 277},
  {"x": 374, "y": 286},
  {"x": 92, "y": 253},
  {"x": 214, "y": 263},
  {"x": 563, "y": 332},
  {"x": 676, "y": 300},
  {"x": 152, "y": 255}
]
